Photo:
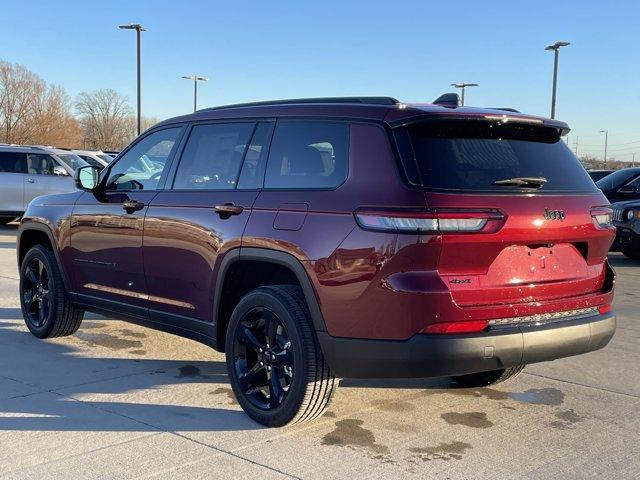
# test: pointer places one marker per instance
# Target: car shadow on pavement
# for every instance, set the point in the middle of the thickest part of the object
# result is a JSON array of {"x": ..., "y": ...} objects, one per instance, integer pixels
[
  {"x": 622, "y": 261},
  {"x": 51, "y": 386}
]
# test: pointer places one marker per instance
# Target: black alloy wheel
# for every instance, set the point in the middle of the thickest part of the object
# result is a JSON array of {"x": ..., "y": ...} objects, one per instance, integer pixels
[
  {"x": 36, "y": 293},
  {"x": 263, "y": 358}
]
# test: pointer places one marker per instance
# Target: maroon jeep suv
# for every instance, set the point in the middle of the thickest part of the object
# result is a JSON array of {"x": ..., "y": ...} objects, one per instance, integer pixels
[{"x": 340, "y": 237}]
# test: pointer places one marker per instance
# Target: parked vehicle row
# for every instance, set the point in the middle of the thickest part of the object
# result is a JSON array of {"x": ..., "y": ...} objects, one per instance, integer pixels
[
  {"x": 27, "y": 172},
  {"x": 626, "y": 218},
  {"x": 321, "y": 238}
]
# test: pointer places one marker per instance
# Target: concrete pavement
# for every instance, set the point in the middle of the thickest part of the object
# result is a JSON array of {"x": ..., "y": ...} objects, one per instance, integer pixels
[{"x": 120, "y": 401}]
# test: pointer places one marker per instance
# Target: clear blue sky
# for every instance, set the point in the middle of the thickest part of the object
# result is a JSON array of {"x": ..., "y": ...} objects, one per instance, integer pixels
[{"x": 408, "y": 49}]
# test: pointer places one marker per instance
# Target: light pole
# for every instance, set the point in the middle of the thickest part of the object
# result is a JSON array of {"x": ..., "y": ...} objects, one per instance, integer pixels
[
  {"x": 555, "y": 47},
  {"x": 138, "y": 28},
  {"x": 606, "y": 140},
  {"x": 195, "y": 79},
  {"x": 462, "y": 86}
]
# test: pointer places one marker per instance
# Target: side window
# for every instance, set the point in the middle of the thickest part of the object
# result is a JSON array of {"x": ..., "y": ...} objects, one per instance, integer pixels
[
  {"x": 308, "y": 155},
  {"x": 141, "y": 167},
  {"x": 13, "y": 162},
  {"x": 38, "y": 164},
  {"x": 212, "y": 156},
  {"x": 255, "y": 160}
]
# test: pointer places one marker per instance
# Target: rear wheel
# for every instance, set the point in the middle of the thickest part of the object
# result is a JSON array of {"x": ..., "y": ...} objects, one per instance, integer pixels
[
  {"x": 46, "y": 308},
  {"x": 484, "y": 379},
  {"x": 631, "y": 254},
  {"x": 275, "y": 365}
]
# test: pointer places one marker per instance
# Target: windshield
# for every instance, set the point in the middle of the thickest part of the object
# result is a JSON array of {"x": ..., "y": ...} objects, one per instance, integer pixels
[
  {"x": 617, "y": 179},
  {"x": 105, "y": 157},
  {"x": 464, "y": 155},
  {"x": 71, "y": 160}
]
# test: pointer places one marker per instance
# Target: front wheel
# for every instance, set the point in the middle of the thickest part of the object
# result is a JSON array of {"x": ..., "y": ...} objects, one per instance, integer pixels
[
  {"x": 276, "y": 368},
  {"x": 45, "y": 305},
  {"x": 484, "y": 379}
]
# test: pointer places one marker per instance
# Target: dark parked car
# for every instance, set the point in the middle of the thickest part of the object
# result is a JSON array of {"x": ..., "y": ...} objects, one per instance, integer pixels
[
  {"x": 626, "y": 218},
  {"x": 346, "y": 237},
  {"x": 598, "y": 174},
  {"x": 621, "y": 185}
]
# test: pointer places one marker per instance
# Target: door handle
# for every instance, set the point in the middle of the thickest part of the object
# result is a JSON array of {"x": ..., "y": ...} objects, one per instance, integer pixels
[
  {"x": 131, "y": 206},
  {"x": 228, "y": 209},
  {"x": 31, "y": 180}
]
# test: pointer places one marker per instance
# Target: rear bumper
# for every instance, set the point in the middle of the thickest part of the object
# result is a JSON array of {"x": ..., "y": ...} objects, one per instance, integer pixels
[{"x": 450, "y": 355}]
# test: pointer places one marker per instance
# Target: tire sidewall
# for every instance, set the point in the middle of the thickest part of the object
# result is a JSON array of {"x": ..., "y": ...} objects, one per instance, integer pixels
[
  {"x": 40, "y": 253},
  {"x": 288, "y": 409}
]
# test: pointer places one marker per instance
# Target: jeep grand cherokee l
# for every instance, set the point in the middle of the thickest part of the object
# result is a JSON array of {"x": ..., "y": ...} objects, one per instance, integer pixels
[{"x": 345, "y": 237}]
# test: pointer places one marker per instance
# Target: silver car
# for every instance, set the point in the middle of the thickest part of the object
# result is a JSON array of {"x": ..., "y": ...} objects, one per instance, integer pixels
[{"x": 28, "y": 172}]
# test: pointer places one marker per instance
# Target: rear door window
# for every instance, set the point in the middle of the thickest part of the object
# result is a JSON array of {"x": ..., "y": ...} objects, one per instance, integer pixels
[
  {"x": 212, "y": 156},
  {"x": 471, "y": 156},
  {"x": 13, "y": 162},
  {"x": 311, "y": 155}
]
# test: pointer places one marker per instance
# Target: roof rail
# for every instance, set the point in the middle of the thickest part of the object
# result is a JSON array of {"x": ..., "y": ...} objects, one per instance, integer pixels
[
  {"x": 362, "y": 100},
  {"x": 506, "y": 109}
]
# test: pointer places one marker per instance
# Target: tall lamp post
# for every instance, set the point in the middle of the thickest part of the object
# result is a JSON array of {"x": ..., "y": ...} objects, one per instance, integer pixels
[
  {"x": 606, "y": 141},
  {"x": 555, "y": 48},
  {"x": 138, "y": 28},
  {"x": 462, "y": 86},
  {"x": 195, "y": 79}
]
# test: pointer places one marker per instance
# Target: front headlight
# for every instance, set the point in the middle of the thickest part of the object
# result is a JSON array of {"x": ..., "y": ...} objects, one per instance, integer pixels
[{"x": 631, "y": 214}]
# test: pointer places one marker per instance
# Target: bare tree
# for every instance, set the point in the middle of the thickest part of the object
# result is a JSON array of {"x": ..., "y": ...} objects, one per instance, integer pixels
[
  {"x": 103, "y": 116},
  {"x": 32, "y": 111}
]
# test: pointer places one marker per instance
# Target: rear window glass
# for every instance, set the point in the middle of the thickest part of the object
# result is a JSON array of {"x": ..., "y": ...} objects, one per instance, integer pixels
[
  {"x": 13, "y": 162},
  {"x": 469, "y": 155},
  {"x": 617, "y": 179},
  {"x": 308, "y": 155}
]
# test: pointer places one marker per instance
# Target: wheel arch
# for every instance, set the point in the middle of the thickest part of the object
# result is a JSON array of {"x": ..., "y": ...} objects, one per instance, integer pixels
[
  {"x": 31, "y": 234},
  {"x": 284, "y": 264}
]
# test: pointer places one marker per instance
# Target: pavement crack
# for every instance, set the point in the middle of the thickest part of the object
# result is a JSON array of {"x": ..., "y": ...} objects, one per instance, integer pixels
[{"x": 583, "y": 385}]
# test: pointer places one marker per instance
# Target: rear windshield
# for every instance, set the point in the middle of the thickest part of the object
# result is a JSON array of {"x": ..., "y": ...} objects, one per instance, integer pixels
[
  {"x": 617, "y": 179},
  {"x": 472, "y": 155}
]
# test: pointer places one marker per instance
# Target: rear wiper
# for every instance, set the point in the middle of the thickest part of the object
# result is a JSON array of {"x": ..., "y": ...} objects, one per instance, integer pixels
[{"x": 529, "y": 182}]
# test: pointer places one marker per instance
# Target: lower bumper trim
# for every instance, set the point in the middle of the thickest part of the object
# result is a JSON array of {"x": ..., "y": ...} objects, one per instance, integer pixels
[{"x": 450, "y": 355}]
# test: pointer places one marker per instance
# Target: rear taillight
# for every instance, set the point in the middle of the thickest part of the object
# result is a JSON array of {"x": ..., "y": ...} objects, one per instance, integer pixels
[
  {"x": 430, "y": 221},
  {"x": 602, "y": 217},
  {"x": 602, "y": 309},
  {"x": 471, "y": 326}
]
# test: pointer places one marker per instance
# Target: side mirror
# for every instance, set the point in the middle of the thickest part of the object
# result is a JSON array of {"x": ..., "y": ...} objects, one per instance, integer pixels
[
  {"x": 60, "y": 171},
  {"x": 628, "y": 190},
  {"x": 87, "y": 177}
]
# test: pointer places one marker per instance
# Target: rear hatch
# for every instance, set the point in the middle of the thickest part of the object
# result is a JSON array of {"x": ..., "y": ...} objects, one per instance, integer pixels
[{"x": 545, "y": 229}]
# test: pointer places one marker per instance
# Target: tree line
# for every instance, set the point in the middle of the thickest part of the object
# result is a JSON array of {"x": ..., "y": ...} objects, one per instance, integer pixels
[{"x": 33, "y": 112}]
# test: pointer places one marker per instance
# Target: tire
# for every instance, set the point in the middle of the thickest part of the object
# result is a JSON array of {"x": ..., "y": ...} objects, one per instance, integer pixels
[
  {"x": 54, "y": 315},
  {"x": 272, "y": 324},
  {"x": 631, "y": 254},
  {"x": 484, "y": 379}
]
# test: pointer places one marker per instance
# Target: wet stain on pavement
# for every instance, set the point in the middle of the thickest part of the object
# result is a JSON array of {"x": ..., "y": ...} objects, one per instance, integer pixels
[
  {"x": 349, "y": 433},
  {"x": 330, "y": 414},
  {"x": 188, "y": 371},
  {"x": 225, "y": 391},
  {"x": 566, "y": 419},
  {"x": 108, "y": 341},
  {"x": 394, "y": 406},
  {"x": 468, "y": 419},
  {"x": 443, "y": 451},
  {"x": 540, "y": 396},
  {"x": 138, "y": 352},
  {"x": 132, "y": 333},
  {"x": 481, "y": 392}
]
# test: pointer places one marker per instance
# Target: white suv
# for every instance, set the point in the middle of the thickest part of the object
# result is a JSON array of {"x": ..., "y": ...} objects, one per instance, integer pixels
[{"x": 28, "y": 172}]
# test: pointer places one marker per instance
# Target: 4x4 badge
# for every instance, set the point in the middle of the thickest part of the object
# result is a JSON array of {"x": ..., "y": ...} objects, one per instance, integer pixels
[{"x": 554, "y": 214}]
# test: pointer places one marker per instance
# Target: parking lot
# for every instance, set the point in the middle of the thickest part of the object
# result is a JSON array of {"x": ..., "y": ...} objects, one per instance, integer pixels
[{"x": 119, "y": 401}]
